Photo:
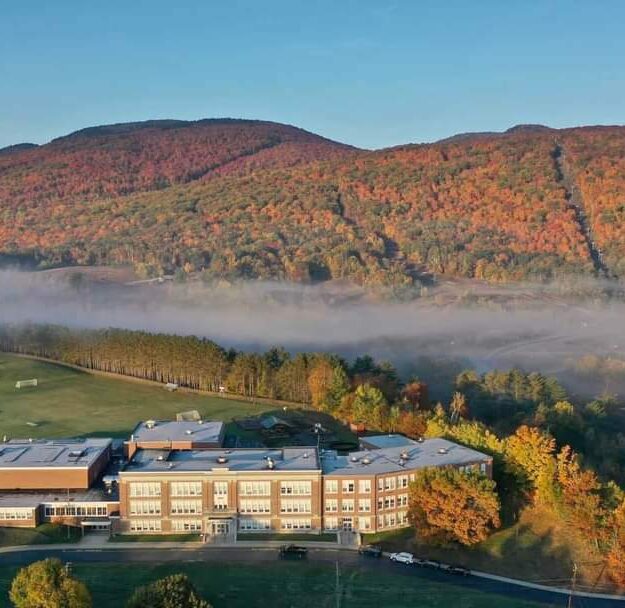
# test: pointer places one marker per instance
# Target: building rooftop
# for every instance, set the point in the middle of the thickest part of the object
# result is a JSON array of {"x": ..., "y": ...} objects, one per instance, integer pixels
[
  {"x": 51, "y": 453},
  {"x": 428, "y": 453},
  {"x": 198, "y": 431},
  {"x": 239, "y": 460},
  {"x": 34, "y": 499},
  {"x": 376, "y": 442}
]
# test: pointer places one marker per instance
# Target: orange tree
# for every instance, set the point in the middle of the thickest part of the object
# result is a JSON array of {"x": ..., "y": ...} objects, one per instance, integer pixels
[{"x": 447, "y": 505}]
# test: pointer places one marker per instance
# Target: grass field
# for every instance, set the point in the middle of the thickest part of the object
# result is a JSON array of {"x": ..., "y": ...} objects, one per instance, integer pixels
[
  {"x": 68, "y": 402},
  {"x": 283, "y": 585},
  {"x": 44, "y": 534}
]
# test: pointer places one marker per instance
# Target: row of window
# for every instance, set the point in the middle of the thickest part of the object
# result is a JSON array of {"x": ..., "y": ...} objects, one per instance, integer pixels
[
  {"x": 334, "y": 523},
  {"x": 186, "y": 525},
  {"x": 75, "y": 511},
  {"x": 6, "y": 514},
  {"x": 254, "y": 524},
  {"x": 220, "y": 488},
  {"x": 391, "y": 520},
  {"x": 390, "y": 502},
  {"x": 347, "y": 505},
  {"x": 348, "y": 486},
  {"x": 145, "y": 525}
]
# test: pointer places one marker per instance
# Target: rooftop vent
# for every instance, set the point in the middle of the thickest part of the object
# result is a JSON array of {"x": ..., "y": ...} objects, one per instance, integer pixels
[
  {"x": 354, "y": 458},
  {"x": 150, "y": 424},
  {"x": 420, "y": 440},
  {"x": 76, "y": 453},
  {"x": 189, "y": 432},
  {"x": 404, "y": 455},
  {"x": 222, "y": 459},
  {"x": 160, "y": 458},
  {"x": 200, "y": 421},
  {"x": 442, "y": 450},
  {"x": 366, "y": 460},
  {"x": 270, "y": 463},
  {"x": 305, "y": 455}
]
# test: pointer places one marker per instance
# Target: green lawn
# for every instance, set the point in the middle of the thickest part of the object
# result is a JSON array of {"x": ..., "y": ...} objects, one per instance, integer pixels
[
  {"x": 72, "y": 403},
  {"x": 283, "y": 584},
  {"x": 287, "y": 538},
  {"x": 155, "y": 538},
  {"x": 42, "y": 535}
]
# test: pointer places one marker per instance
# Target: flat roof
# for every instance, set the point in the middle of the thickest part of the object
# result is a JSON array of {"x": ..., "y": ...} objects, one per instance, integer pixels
[
  {"x": 51, "y": 453},
  {"x": 239, "y": 460},
  {"x": 28, "y": 499},
  {"x": 387, "y": 441},
  {"x": 428, "y": 453},
  {"x": 199, "y": 431}
]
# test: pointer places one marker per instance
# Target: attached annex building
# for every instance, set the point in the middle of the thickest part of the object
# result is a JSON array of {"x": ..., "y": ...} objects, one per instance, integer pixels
[{"x": 174, "y": 479}]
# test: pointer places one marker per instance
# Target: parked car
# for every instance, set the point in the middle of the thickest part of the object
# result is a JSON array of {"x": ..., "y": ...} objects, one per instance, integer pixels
[
  {"x": 293, "y": 551},
  {"x": 459, "y": 570},
  {"x": 370, "y": 550},
  {"x": 402, "y": 558}
]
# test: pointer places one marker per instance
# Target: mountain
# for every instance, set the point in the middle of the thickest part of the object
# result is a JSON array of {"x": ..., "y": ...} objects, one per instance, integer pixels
[
  {"x": 253, "y": 199},
  {"x": 17, "y": 148}
]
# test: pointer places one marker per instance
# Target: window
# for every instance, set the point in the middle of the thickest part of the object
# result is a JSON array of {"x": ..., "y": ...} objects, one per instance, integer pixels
[
  {"x": 364, "y": 486},
  {"x": 349, "y": 486},
  {"x": 380, "y": 504},
  {"x": 402, "y": 481},
  {"x": 255, "y": 506},
  {"x": 145, "y": 525},
  {"x": 185, "y": 488},
  {"x": 295, "y": 506},
  {"x": 332, "y": 505},
  {"x": 145, "y": 489},
  {"x": 145, "y": 507},
  {"x": 412, "y": 477},
  {"x": 402, "y": 500},
  {"x": 295, "y": 524},
  {"x": 15, "y": 513},
  {"x": 254, "y": 524},
  {"x": 220, "y": 502},
  {"x": 389, "y": 483},
  {"x": 331, "y": 523},
  {"x": 186, "y": 507},
  {"x": 255, "y": 488},
  {"x": 332, "y": 486},
  {"x": 402, "y": 518},
  {"x": 220, "y": 488},
  {"x": 389, "y": 502},
  {"x": 380, "y": 484},
  {"x": 364, "y": 504},
  {"x": 347, "y": 505},
  {"x": 295, "y": 488},
  {"x": 483, "y": 468},
  {"x": 364, "y": 523},
  {"x": 186, "y": 525}
]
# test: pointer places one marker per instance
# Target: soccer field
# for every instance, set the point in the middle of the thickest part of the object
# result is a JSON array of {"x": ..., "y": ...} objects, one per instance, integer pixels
[
  {"x": 285, "y": 585},
  {"x": 69, "y": 402}
]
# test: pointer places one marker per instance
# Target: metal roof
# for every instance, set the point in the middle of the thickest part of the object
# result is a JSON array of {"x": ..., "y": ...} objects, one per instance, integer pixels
[
  {"x": 201, "y": 431},
  {"x": 51, "y": 453},
  {"x": 386, "y": 441},
  {"x": 239, "y": 460},
  {"x": 428, "y": 453}
]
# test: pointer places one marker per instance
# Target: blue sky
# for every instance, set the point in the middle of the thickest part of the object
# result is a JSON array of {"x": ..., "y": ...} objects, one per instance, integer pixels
[{"x": 372, "y": 74}]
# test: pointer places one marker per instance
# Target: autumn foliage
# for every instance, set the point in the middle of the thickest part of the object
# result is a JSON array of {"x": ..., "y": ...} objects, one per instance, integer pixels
[
  {"x": 447, "y": 505},
  {"x": 253, "y": 199}
]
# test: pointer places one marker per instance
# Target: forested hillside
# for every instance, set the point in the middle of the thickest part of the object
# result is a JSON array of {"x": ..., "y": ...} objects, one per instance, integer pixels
[{"x": 250, "y": 199}]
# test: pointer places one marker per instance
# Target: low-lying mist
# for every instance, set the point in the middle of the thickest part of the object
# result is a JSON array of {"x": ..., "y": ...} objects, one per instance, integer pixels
[{"x": 427, "y": 336}]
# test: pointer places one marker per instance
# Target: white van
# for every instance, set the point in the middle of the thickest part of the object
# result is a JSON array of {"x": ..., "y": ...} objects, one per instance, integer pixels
[{"x": 402, "y": 558}]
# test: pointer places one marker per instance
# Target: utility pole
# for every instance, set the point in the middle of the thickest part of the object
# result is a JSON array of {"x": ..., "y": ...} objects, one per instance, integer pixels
[{"x": 573, "y": 581}]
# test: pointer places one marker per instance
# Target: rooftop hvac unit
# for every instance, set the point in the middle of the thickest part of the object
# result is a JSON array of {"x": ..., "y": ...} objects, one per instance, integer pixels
[
  {"x": 270, "y": 463},
  {"x": 366, "y": 460},
  {"x": 354, "y": 458},
  {"x": 222, "y": 459},
  {"x": 442, "y": 450},
  {"x": 160, "y": 458},
  {"x": 150, "y": 424},
  {"x": 189, "y": 432},
  {"x": 404, "y": 455}
]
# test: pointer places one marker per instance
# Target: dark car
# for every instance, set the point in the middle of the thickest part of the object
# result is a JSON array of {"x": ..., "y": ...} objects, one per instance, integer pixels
[
  {"x": 294, "y": 551},
  {"x": 459, "y": 570},
  {"x": 370, "y": 550},
  {"x": 420, "y": 562}
]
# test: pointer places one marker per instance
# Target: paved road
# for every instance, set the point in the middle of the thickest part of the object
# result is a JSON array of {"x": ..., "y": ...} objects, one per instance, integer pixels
[{"x": 251, "y": 555}]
